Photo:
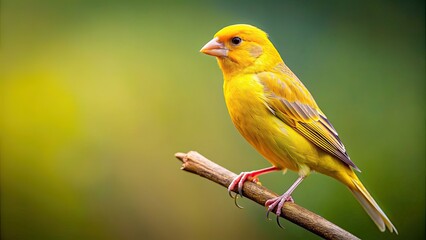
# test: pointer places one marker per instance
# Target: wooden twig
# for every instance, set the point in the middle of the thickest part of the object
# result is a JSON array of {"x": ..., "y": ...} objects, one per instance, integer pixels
[{"x": 196, "y": 163}]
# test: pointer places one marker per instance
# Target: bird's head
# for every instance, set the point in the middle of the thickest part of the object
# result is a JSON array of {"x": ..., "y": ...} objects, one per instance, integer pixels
[{"x": 242, "y": 48}]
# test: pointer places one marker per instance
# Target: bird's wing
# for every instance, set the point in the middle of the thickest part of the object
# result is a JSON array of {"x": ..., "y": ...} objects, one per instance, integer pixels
[{"x": 289, "y": 100}]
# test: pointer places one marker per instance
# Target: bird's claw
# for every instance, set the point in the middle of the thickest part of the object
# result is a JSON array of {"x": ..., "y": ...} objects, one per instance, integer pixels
[
  {"x": 238, "y": 183},
  {"x": 276, "y": 204}
]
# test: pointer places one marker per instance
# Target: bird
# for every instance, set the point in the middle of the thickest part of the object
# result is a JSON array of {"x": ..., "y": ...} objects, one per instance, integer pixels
[{"x": 278, "y": 116}]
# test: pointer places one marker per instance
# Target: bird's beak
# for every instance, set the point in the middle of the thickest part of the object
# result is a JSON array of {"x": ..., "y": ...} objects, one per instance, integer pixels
[{"x": 215, "y": 48}]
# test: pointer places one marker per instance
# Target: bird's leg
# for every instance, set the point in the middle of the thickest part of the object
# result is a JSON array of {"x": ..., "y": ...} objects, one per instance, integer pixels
[
  {"x": 275, "y": 204},
  {"x": 251, "y": 176}
]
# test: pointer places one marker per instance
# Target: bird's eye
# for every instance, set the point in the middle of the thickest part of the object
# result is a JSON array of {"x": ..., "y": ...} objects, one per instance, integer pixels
[{"x": 236, "y": 40}]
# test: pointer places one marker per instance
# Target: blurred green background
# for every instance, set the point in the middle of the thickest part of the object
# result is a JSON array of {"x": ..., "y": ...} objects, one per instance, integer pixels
[{"x": 97, "y": 96}]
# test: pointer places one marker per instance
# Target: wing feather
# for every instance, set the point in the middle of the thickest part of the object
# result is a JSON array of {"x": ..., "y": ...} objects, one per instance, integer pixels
[{"x": 293, "y": 104}]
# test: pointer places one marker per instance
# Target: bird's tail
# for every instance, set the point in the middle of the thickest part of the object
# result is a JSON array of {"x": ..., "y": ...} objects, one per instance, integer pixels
[{"x": 370, "y": 206}]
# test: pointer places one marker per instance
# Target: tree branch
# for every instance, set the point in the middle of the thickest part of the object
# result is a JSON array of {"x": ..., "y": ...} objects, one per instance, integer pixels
[{"x": 196, "y": 163}]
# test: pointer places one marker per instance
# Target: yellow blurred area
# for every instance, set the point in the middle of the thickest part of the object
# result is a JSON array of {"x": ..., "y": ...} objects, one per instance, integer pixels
[{"x": 97, "y": 96}]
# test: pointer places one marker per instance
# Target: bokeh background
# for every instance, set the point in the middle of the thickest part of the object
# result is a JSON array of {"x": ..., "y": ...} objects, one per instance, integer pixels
[{"x": 97, "y": 96}]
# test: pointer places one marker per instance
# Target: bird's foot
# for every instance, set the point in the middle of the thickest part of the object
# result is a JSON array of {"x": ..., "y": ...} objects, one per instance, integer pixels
[
  {"x": 276, "y": 204},
  {"x": 237, "y": 184},
  {"x": 240, "y": 179}
]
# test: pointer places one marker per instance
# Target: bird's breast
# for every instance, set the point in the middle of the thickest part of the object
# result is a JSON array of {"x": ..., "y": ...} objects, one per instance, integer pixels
[{"x": 245, "y": 99}]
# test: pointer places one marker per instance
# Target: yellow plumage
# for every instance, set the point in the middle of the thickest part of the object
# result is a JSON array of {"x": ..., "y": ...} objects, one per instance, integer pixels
[{"x": 278, "y": 116}]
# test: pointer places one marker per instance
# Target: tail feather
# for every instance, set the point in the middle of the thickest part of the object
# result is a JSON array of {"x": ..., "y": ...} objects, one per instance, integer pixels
[{"x": 371, "y": 207}]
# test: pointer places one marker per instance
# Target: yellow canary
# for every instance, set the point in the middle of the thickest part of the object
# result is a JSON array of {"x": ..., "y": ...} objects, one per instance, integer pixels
[{"x": 278, "y": 116}]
